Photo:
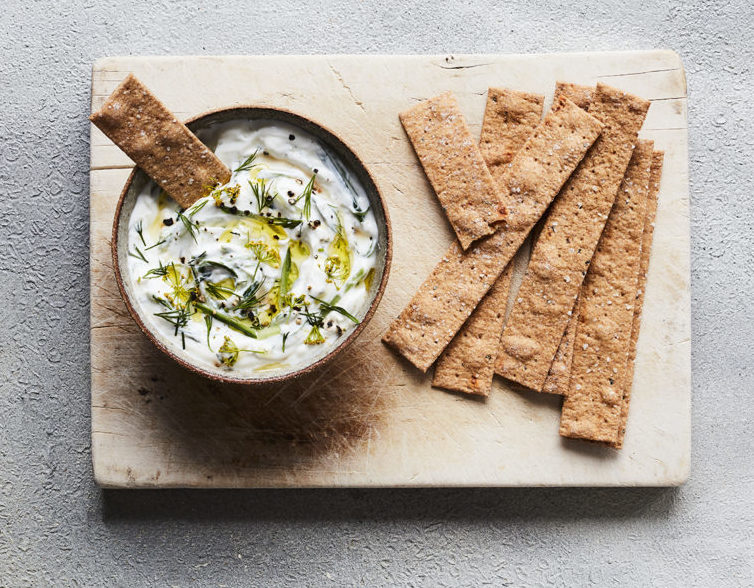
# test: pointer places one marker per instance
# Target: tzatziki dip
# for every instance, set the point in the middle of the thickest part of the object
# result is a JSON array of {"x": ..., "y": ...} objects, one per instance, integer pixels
[{"x": 269, "y": 271}]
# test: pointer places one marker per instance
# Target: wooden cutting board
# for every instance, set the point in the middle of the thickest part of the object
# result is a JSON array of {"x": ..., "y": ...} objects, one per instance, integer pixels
[{"x": 370, "y": 419}]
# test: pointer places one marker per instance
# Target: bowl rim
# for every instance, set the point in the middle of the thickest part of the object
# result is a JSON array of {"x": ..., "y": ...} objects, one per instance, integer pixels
[{"x": 307, "y": 369}]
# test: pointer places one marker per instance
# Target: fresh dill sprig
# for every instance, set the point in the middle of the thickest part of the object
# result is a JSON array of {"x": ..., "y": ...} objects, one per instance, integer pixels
[
  {"x": 190, "y": 225},
  {"x": 178, "y": 317},
  {"x": 251, "y": 297},
  {"x": 208, "y": 322},
  {"x": 285, "y": 279},
  {"x": 196, "y": 208},
  {"x": 262, "y": 194},
  {"x": 227, "y": 319},
  {"x": 218, "y": 292},
  {"x": 328, "y": 307},
  {"x": 248, "y": 164},
  {"x": 140, "y": 232},
  {"x": 307, "y": 196},
  {"x": 138, "y": 254},
  {"x": 188, "y": 221},
  {"x": 285, "y": 336},
  {"x": 155, "y": 245},
  {"x": 157, "y": 272},
  {"x": 264, "y": 253}
]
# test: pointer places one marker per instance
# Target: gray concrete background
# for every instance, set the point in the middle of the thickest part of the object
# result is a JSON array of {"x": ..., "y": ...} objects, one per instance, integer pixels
[{"x": 57, "y": 528}]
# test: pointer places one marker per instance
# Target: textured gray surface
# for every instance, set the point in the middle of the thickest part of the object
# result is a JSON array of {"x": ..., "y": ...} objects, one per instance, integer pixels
[{"x": 56, "y": 527}]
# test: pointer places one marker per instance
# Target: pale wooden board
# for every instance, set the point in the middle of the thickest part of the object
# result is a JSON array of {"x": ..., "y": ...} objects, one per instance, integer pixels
[{"x": 370, "y": 419}]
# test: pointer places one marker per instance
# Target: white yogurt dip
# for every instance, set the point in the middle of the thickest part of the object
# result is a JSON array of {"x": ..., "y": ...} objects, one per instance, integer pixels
[{"x": 268, "y": 272}]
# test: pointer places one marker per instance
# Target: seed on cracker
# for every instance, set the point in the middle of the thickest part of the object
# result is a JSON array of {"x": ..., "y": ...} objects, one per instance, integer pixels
[
  {"x": 454, "y": 288},
  {"x": 137, "y": 122},
  {"x": 534, "y": 329}
]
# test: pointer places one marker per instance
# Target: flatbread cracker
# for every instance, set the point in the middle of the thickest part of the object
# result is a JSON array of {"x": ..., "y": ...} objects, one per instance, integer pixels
[
  {"x": 655, "y": 175},
  {"x": 592, "y": 408},
  {"x": 509, "y": 119},
  {"x": 558, "y": 375},
  {"x": 582, "y": 96},
  {"x": 137, "y": 122},
  {"x": 563, "y": 251},
  {"x": 454, "y": 166},
  {"x": 468, "y": 363},
  {"x": 560, "y": 370},
  {"x": 459, "y": 282}
]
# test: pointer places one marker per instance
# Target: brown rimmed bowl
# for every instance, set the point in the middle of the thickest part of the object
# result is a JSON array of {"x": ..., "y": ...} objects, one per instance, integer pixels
[{"x": 336, "y": 148}]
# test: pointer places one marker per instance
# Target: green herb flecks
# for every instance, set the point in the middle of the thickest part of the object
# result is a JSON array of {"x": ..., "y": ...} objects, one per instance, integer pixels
[
  {"x": 233, "y": 323},
  {"x": 285, "y": 337},
  {"x": 307, "y": 196},
  {"x": 178, "y": 316},
  {"x": 251, "y": 297},
  {"x": 189, "y": 224},
  {"x": 218, "y": 291},
  {"x": 138, "y": 254},
  {"x": 248, "y": 163},
  {"x": 157, "y": 272},
  {"x": 208, "y": 322},
  {"x": 285, "y": 279},
  {"x": 328, "y": 307},
  {"x": 262, "y": 194},
  {"x": 160, "y": 242},
  {"x": 140, "y": 232}
]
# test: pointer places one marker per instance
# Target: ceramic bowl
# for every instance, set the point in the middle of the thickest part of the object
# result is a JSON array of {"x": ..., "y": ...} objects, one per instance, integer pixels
[{"x": 336, "y": 147}]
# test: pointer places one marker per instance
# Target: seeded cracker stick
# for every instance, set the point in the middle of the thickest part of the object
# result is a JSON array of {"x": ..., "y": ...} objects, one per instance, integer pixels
[
  {"x": 560, "y": 370},
  {"x": 456, "y": 285},
  {"x": 563, "y": 251},
  {"x": 646, "y": 248},
  {"x": 468, "y": 363},
  {"x": 137, "y": 122},
  {"x": 592, "y": 407},
  {"x": 558, "y": 375},
  {"x": 454, "y": 166},
  {"x": 581, "y": 96}
]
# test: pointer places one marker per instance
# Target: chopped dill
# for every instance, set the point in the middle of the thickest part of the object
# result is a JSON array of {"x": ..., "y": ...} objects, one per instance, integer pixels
[
  {"x": 157, "y": 272},
  {"x": 208, "y": 322},
  {"x": 327, "y": 307},
  {"x": 248, "y": 163},
  {"x": 140, "y": 232},
  {"x": 307, "y": 196},
  {"x": 285, "y": 279},
  {"x": 262, "y": 194},
  {"x": 233, "y": 323},
  {"x": 138, "y": 254}
]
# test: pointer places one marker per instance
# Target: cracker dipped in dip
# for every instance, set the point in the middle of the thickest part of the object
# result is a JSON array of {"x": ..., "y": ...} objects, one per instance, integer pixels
[{"x": 269, "y": 270}]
